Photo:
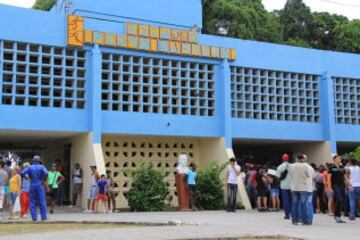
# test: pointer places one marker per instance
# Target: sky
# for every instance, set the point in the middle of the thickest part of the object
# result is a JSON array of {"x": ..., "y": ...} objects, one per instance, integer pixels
[{"x": 349, "y": 8}]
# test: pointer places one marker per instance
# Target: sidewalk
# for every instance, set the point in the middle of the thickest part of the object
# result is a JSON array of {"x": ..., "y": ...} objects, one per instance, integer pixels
[{"x": 207, "y": 224}]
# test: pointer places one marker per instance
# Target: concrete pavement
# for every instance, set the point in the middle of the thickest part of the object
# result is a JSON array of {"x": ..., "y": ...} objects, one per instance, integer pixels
[{"x": 208, "y": 224}]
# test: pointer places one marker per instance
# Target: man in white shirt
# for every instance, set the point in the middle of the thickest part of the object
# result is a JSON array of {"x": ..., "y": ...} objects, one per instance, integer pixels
[
  {"x": 231, "y": 177},
  {"x": 353, "y": 182}
]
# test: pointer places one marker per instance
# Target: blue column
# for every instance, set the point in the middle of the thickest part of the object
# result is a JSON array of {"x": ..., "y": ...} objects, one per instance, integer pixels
[
  {"x": 328, "y": 109},
  {"x": 94, "y": 99},
  {"x": 226, "y": 101},
  {"x": 1, "y": 70}
]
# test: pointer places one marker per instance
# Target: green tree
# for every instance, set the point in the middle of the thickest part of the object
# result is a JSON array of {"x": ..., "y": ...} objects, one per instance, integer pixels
[
  {"x": 347, "y": 36},
  {"x": 45, "y": 5},
  {"x": 323, "y": 30},
  {"x": 296, "y": 19},
  {"x": 246, "y": 19}
]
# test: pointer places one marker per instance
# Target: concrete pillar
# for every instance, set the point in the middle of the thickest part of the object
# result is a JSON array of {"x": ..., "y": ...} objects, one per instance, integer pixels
[
  {"x": 328, "y": 110},
  {"x": 225, "y": 101}
]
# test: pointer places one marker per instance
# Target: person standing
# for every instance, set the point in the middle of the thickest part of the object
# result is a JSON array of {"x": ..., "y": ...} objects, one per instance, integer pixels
[
  {"x": 274, "y": 190},
  {"x": 319, "y": 181},
  {"x": 25, "y": 193},
  {"x": 328, "y": 190},
  {"x": 92, "y": 190},
  {"x": 77, "y": 183},
  {"x": 14, "y": 192},
  {"x": 262, "y": 188},
  {"x": 61, "y": 188},
  {"x": 110, "y": 191},
  {"x": 102, "y": 185},
  {"x": 231, "y": 175},
  {"x": 7, "y": 169},
  {"x": 337, "y": 183},
  {"x": 3, "y": 181},
  {"x": 54, "y": 179},
  {"x": 300, "y": 174},
  {"x": 311, "y": 189},
  {"x": 191, "y": 182},
  {"x": 285, "y": 185},
  {"x": 353, "y": 180},
  {"x": 37, "y": 174}
]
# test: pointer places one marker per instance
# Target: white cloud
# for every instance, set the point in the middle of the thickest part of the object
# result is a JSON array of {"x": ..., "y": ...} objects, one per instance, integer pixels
[
  {"x": 19, "y": 3},
  {"x": 348, "y": 8}
]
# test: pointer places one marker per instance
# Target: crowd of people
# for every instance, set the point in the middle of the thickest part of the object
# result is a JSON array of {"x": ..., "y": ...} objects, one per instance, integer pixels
[
  {"x": 303, "y": 188},
  {"x": 32, "y": 186}
]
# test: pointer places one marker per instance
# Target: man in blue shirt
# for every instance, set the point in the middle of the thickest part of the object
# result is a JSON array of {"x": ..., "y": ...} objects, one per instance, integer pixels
[
  {"x": 191, "y": 182},
  {"x": 37, "y": 174}
]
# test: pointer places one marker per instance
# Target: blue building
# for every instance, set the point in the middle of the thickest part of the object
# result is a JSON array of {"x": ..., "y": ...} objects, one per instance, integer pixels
[{"x": 115, "y": 82}]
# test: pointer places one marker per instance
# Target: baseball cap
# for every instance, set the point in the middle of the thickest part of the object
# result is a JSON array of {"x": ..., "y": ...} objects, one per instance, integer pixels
[{"x": 285, "y": 157}]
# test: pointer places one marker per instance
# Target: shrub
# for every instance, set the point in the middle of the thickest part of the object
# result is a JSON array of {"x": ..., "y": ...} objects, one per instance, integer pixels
[
  {"x": 149, "y": 189},
  {"x": 210, "y": 187}
]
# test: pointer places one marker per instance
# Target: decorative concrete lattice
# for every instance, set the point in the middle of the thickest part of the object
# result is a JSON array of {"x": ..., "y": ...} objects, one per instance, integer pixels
[
  {"x": 42, "y": 76},
  {"x": 126, "y": 154},
  {"x": 347, "y": 100},
  {"x": 274, "y": 95},
  {"x": 154, "y": 85}
]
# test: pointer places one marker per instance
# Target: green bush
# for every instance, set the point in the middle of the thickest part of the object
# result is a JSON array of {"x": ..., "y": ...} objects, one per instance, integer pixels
[
  {"x": 210, "y": 187},
  {"x": 149, "y": 190}
]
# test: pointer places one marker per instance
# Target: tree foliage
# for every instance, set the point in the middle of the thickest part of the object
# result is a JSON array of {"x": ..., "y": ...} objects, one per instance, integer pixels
[
  {"x": 149, "y": 189},
  {"x": 294, "y": 25},
  {"x": 210, "y": 188},
  {"x": 44, "y": 4}
]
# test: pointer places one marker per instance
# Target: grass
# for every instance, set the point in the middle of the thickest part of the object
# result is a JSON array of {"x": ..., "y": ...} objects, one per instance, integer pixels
[{"x": 25, "y": 228}]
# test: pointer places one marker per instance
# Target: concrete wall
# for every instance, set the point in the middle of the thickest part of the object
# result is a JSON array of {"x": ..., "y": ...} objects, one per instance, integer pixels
[
  {"x": 85, "y": 153},
  {"x": 317, "y": 152}
]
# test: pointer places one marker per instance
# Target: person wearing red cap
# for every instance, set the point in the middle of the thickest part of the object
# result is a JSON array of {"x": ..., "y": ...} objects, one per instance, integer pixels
[{"x": 282, "y": 173}]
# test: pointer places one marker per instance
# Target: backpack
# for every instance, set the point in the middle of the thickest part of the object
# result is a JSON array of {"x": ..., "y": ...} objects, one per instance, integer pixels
[{"x": 284, "y": 174}]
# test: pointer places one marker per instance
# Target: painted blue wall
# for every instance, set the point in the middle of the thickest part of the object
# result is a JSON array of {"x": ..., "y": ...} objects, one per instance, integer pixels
[{"x": 25, "y": 25}]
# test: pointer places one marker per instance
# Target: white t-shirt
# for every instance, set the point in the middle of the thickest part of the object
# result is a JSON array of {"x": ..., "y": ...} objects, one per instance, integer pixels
[
  {"x": 232, "y": 174},
  {"x": 354, "y": 175},
  {"x": 77, "y": 180}
]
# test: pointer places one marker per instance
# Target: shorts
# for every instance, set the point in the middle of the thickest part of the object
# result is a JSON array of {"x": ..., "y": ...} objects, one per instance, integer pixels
[
  {"x": 53, "y": 193},
  {"x": 102, "y": 197},
  {"x": 274, "y": 192},
  {"x": 262, "y": 192},
  {"x": 92, "y": 192},
  {"x": 6, "y": 190},
  {"x": 77, "y": 188},
  {"x": 329, "y": 194},
  {"x": 12, "y": 198}
]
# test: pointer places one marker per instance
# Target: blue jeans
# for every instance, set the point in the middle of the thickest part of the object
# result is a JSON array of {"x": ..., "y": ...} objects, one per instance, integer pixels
[
  {"x": 299, "y": 206},
  {"x": 286, "y": 201},
  {"x": 354, "y": 196},
  {"x": 310, "y": 208}
]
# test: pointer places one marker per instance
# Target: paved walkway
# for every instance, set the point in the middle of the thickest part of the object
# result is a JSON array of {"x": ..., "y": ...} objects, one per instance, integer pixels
[{"x": 198, "y": 225}]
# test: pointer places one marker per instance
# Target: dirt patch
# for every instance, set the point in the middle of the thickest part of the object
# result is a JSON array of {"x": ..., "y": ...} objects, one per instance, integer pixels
[{"x": 25, "y": 228}]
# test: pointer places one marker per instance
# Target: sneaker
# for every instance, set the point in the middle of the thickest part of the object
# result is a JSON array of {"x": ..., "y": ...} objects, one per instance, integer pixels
[
  {"x": 352, "y": 218},
  {"x": 286, "y": 217},
  {"x": 339, "y": 220},
  {"x": 71, "y": 206},
  {"x": 85, "y": 211},
  {"x": 295, "y": 223}
]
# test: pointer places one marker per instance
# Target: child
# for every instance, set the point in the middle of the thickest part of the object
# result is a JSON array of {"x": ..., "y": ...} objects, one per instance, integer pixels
[
  {"x": 191, "y": 182},
  {"x": 262, "y": 182},
  {"x": 25, "y": 193},
  {"x": 274, "y": 190},
  {"x": 110, "y": 191},
  {"x": 102, "y": 189},
  {"x": 14, "y": 192}
]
